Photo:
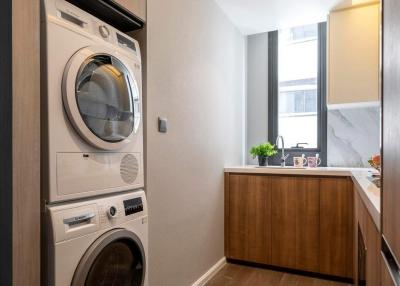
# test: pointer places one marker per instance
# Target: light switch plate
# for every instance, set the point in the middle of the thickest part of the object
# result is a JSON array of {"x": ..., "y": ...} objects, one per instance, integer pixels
[{"x": 162, "y": 125}]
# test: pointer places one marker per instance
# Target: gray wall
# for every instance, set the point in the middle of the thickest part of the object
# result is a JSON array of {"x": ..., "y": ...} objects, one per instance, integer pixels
[
  {"x": 257, "y": 92},
  {"x": 196, "y": 80}
]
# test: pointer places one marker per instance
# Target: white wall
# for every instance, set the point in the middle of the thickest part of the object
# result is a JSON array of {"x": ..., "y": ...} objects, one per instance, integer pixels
[
  {"x": 257, "y": 91},
  {"x": 196, "y": 80},
  {"x": 258, "y": 16}
]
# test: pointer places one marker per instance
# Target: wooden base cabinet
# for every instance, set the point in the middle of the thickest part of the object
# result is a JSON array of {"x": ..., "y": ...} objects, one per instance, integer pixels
[
  {"x": 336, "y": 232},
  {"x": 302, "y": 223},
  {"x": 367, "y": 233},
  {"x": 307, "y": 224},
  {"x": 295, "y": 223},
  {"x": 248, "y": 232},
  {"x": 283, "y": 222}
]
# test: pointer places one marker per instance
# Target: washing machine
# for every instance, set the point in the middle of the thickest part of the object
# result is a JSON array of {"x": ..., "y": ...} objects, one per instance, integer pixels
[
  {"x": 92, "y": 109},
  {"x": 101, "y": 241}
]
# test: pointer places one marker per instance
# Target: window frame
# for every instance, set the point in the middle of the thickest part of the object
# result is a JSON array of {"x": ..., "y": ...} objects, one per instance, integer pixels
[
  {"x": 273, "y": 93},
  {"x": 6, "y": 144}
]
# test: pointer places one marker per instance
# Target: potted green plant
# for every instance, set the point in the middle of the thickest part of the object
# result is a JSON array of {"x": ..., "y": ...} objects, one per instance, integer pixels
[{"x": 263, "y": 152}]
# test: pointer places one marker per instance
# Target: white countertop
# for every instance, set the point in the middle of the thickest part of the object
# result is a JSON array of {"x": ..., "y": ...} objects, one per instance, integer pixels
[
  {"x": 320, "y": 171},
  {"x": 369, "y": 192}
]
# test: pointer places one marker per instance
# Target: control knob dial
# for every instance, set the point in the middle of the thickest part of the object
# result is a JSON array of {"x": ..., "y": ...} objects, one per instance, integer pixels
[
  {"x": 112, "y": 212},
  {"x": 104, "y": 31}
]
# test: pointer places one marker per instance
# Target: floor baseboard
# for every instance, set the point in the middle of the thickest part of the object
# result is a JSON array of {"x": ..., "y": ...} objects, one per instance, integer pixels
[{"x": 210, "y": 273}]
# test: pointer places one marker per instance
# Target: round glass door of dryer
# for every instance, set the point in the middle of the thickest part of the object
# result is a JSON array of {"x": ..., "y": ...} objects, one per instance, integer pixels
[
  {"x": 117, "y": 258},
  {"x": 104, "y": 98},
  {"x": 101, "y": 97}
]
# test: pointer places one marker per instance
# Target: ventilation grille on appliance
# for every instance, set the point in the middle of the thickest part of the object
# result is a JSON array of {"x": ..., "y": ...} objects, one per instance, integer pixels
[{"x": 129, "y": 168}]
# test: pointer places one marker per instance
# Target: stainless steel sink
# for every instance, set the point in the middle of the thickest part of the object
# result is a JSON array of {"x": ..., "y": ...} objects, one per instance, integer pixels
[
  {"x": 375, "y": 181},
  {"x": 279, "y": 167}
]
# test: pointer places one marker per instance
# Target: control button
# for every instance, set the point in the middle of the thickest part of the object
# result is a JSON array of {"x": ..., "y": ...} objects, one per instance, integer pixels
[
  {"x": 104, "y": 31},
  {"x": 112, "y": 211}
]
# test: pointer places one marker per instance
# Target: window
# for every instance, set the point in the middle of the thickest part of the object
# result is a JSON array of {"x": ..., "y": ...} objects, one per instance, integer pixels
[
  {"x": 297, "y": 109},
  {"x": 297, "y": 85}
]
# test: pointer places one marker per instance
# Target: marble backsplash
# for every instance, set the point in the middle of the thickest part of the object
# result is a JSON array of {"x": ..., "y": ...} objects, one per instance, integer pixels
[{"x": 353, "y": 136}]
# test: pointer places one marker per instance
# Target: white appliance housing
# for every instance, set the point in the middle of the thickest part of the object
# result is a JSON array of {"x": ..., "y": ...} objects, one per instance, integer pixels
[
  {"x": 92, "y": 88},
  {"x": 103, "y": 239}
]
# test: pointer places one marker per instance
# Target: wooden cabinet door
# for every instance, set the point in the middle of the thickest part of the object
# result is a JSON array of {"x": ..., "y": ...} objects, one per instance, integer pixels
[
  {"x": 295, "y": 223},
  {"x": 336, "y": 227},
  {"x": 307, "y": 224},
  {"x": 359, "y": 232},
  {"x": 372, "y": 240},
  {"x": 283, "y": 199},
  {"x": 391, "y": 127},
  {"x": 373, "y": 245},
  {"x": 248, "y": 218}
]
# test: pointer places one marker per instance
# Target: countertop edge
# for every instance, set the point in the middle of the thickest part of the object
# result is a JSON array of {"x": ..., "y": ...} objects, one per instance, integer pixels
[
  {"x": 336, "y": 172},
  {"x": 373, "y": 209}
]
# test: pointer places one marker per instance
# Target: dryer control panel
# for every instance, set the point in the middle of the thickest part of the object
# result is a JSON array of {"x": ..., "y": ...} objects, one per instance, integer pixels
[{"x": 69, "y": 15}]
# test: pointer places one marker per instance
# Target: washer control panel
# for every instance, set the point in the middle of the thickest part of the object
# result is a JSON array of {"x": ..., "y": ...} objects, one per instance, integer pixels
[
  {"x": 73, "y": 220},
  {"x": 117, "y": 211},
  {"x": 110, "y": 213},
  {"x": 133, "y": 206}
]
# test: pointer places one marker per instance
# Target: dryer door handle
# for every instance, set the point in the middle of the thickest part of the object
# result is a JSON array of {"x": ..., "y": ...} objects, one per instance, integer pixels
[{"x": 78, "y": 219}]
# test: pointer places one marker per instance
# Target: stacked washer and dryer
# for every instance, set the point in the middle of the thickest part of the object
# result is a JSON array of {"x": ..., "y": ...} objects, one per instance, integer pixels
[{"x": 96, "y": 211}]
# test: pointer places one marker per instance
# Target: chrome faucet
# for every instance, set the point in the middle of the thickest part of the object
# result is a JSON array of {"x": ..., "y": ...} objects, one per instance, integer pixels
[{"x": 283, "y": 158}]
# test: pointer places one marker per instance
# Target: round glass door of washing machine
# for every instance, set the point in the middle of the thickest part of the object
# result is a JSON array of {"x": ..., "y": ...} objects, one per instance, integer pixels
[
  {"x": 116, "y": 258},
  {"x": 101, "y": 97}
]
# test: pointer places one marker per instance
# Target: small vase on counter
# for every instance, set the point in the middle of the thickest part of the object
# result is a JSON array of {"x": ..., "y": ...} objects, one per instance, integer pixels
[{"x": 262, "y": 161}]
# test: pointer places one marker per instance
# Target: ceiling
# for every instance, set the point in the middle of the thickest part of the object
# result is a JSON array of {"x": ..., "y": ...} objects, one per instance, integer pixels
[{"x": 257, "y": 16}]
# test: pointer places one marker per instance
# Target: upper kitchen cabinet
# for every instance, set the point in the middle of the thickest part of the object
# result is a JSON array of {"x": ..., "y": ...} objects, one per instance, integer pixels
[
  {"x": 354, "y": 54},
  {"x": 137, "y": 7}
]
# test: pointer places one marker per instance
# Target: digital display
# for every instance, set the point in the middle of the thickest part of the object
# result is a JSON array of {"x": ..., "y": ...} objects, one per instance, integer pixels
[
  {"x": 126, "y": 42},
  {"x": 133, "y": 206}
]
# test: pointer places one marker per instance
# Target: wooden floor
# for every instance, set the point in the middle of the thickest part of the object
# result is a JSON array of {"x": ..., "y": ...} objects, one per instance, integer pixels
[{"x": 235, "y": 275}]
